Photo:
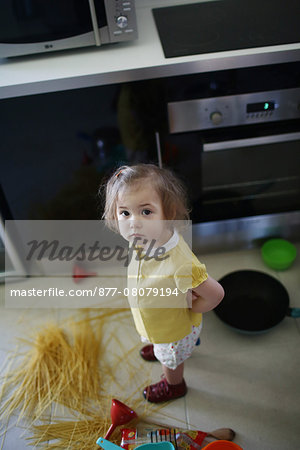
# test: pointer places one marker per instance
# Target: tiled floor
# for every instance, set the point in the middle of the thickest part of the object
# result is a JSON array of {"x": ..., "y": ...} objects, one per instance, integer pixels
[{"x": 248, "y": 383}]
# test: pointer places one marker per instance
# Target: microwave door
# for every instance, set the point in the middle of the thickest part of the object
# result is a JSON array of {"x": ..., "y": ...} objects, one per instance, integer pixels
[{"x": 32, "y": 26}]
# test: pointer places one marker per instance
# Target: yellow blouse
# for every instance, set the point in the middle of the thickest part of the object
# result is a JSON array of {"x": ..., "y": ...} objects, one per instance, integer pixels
[{"x": 159, "y": 316}]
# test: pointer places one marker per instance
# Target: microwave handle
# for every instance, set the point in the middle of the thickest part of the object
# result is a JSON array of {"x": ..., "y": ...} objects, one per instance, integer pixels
[
  {"x": 158, "y": 149},
  {"x": 250, "y": 142},
  {"x": 95, "y": 22}
]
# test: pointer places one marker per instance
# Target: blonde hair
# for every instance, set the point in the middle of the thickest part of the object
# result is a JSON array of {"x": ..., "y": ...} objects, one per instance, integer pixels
[{"x": 170, "y": 189}]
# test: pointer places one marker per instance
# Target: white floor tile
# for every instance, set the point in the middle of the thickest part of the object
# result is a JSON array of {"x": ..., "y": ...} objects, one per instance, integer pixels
[
  {"x": 248, "y": 383},
  {"x": 17, "y": 323},
  {"x": 255, "y": 392},
  {"x": 15, "y": 436},
  {"x": 291, "y": 279},
  {"x": 223, "y": 263}
]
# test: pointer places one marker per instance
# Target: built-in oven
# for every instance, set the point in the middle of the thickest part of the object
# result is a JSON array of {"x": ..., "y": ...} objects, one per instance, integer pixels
[{"x": 242, "y": 152}]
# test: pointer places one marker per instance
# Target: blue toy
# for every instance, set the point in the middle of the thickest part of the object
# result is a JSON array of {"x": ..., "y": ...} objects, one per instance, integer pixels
[{"x": 107, "y": 445}]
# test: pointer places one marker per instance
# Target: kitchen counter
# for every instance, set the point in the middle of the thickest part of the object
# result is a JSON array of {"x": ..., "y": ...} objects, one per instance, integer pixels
[{"x": 123, "y": 62}]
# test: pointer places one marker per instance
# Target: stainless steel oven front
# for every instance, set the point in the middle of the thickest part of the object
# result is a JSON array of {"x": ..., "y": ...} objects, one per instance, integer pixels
[{"x": 245, "y": 152}]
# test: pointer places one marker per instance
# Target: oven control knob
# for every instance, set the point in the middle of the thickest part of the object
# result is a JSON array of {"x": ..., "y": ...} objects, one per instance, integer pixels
[
  {"x": 122, "y": 21},
  {"x": 216, "y": 117}
]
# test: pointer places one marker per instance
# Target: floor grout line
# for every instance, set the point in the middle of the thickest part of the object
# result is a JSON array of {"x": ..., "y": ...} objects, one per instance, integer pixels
[{"x": 187, "y": 420}]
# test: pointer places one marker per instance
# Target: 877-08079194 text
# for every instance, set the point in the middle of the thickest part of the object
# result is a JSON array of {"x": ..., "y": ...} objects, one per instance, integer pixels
[
  {"x": 144, "y": 292},
  {"x": 95, "y": 292}
]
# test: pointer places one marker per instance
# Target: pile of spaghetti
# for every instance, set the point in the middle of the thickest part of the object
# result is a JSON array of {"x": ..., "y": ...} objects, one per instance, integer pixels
[{"x": 73, "y": 371}]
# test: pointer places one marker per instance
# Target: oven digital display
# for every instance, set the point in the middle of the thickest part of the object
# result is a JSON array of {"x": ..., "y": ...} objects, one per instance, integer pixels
[{"x": 260, "y": 107}]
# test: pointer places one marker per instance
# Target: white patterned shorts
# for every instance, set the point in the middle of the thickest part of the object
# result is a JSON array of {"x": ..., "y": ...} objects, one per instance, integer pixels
[{"x": 173, "y": 354}]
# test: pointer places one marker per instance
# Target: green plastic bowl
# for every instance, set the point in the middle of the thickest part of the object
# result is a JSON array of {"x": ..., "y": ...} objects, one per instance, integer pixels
[{"x": 278, "y": 254}]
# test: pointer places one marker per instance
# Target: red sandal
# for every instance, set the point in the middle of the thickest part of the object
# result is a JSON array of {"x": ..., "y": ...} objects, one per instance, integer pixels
[
  {"x": 147, "y": 353},
  {"x": 163, "y": 391}
]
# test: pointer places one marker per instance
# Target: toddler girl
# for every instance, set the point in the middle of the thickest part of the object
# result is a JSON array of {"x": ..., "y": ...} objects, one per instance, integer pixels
[{"x": 142, "y": 203}]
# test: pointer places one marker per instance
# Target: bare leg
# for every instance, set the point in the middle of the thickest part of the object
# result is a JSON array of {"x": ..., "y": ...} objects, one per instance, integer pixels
[{"x": 174, "y": 376}]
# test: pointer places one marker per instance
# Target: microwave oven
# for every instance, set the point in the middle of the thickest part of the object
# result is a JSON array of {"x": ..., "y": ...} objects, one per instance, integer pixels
[{"x": 35, "y": 26}]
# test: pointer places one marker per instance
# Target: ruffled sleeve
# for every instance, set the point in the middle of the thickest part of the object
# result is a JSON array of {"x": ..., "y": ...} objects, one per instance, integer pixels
[{"x": 190, "y": 275}]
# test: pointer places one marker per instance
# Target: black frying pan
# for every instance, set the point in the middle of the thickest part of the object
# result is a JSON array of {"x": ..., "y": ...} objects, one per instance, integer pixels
[{"x": 254, "y": 302}]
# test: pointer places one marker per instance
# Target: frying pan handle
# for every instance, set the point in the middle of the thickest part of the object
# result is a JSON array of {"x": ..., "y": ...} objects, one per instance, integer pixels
[{"x": 293, "y": 312}]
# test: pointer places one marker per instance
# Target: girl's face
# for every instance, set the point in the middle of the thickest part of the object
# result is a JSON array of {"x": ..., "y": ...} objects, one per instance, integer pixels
[{"x": 140, "y": 215}]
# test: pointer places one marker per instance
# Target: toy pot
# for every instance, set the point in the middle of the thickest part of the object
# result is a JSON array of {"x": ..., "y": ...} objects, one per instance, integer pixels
[
  {"x": 120, "y": 414},
  {"x": 222, "y": 445}
]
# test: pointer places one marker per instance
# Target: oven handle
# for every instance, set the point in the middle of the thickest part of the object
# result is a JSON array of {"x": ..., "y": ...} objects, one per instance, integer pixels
[{"x": 250, "y": 142}]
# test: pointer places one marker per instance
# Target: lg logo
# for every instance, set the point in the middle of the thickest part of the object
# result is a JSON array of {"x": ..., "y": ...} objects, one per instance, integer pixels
[{"x": 48, "y": 46}]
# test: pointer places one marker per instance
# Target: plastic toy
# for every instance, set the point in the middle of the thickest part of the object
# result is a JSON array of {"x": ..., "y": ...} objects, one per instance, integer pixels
[
  {"x": 79, "y": 273},
  {"x": 120, "y": 415},
  {"x": 107, "y": 445}
]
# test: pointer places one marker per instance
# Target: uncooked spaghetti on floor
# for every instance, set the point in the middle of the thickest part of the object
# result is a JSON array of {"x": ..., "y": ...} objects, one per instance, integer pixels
[{"x": 73, "y": 371}]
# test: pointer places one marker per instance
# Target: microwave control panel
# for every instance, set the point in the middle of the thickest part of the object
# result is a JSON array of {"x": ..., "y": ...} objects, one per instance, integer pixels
[
  {"x": 234, "y": 110},
  {"x": 121, "y": 20}
]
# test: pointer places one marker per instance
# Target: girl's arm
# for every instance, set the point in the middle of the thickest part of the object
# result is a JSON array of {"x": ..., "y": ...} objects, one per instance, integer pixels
[{"x": 206, "y": 296}]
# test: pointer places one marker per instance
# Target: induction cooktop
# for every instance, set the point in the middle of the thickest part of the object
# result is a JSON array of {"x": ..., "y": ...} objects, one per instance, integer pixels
[{"x": 224, "y": 25}]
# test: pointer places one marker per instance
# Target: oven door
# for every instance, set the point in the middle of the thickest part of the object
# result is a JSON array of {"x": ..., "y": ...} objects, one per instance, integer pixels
[
  {"x": 250, "y": 176},
  {"x": 238, "y": 171}
]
